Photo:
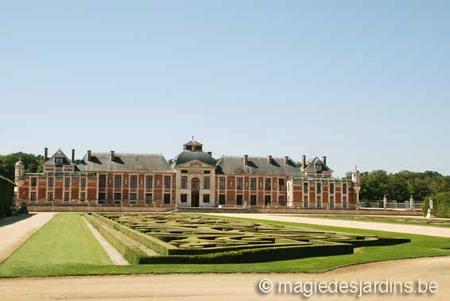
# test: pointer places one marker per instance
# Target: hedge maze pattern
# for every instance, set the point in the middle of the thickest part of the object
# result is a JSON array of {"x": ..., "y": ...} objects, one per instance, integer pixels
[{"x": 204, "y": 239}]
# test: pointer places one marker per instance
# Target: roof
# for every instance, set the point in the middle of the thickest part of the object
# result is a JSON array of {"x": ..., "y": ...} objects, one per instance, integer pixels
[
  {"x": 310, "y": 165},
  {"x": 193, "y": 142},
  {"x": 125, "y": 162},
  {"x": 258, "y": 166},
  {"x": 187, "y": 156},
  {"x": 59, "y": 154}
]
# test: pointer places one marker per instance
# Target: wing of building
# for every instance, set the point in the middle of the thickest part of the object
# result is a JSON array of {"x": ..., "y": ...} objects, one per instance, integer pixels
[{"x": 194, "y": 178}]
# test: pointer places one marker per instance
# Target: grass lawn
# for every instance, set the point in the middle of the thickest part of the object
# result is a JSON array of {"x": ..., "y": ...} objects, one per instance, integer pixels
[
  {"x": 45, "y": 255},
  {"x": 384, "y": 219}
]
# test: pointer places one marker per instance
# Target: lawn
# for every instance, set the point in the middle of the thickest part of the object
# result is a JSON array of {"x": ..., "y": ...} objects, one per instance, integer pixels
[
  {"x": 384, "y": 219},
  {"x": 44, "y": 254},
  {"x": 65, "y": 242}
]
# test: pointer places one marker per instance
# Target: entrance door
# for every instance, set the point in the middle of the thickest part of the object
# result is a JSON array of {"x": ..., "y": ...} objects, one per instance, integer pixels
[{"x": 195, "y": 192}]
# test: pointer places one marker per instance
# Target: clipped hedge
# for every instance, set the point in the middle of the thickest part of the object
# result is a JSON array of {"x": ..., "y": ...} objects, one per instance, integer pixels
[
  {"x": 132, "y": 254},
  {"x": 254, "y": 255},
  {"x": 441, "y": 204},
  {"x": 6, "y": 197},
  {"x": 155, "y": 244}
]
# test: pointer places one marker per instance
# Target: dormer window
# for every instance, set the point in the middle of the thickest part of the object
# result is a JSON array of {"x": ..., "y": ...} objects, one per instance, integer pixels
[
  {"x": 58, "y": 161},
  {"x": 318, "y": 167}
]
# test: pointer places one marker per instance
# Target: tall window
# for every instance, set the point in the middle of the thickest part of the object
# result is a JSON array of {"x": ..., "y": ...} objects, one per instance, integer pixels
[
  {"x": 117, "y": 196},
  {"x": 206, "y": 198},
  {"x": 331, "y": 202},
  {"x": 239, "y": 199},
  {"x": 206, "y": 183},
  {"x": 331, "y": 187},
  {"x": 83, "y": 196},
  {"x": 117, "y": 181},
  {"x": 253, "y": 184},
  {"x": 305, "y": 188},
  {"x": 83, "y": 182},
  {"x": 221, "y": 199},
  {"x": 239, "y": 183},
  {"x": 222, "y": 183},
  {"x": 167, "y": 182},
  {"x": 33, "y": 196},
  {"x": 133, "y": 181},
  {"x": 149, "y": 182},
  {"x": 184, "y": 181},
  {"x": 305, "y": 201},
  {"x": 319, "y": 187},
  {"x": 102, "y": 181},
  {"x": 166, "y": 198},
  {"x": 267, "y": 200},
  {"x": 267, "y": 185},
  {"x": 344, "y": 188},
  {"x": 148, "y": 198},
  {"x": 50, "y": 197},
  {"x": 280, "y": 184},
  {"x": 66, "y": 196},
  {"x": 66, "y": 182},
  {"x": 50, "y": 182},
  {"x": 133, "y": 197},
  {"x": 281, "y": 200},
  {"x": 183, "y": 198},
  {"x": 253, "y": 200}
]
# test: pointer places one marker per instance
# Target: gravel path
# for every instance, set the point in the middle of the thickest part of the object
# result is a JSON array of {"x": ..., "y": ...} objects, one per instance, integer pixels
[
  {"x": 390, "y": 227},
  {"x": 114, "y": 255},
  {"x": 225, "y": 287},
  {"x": 15, "y": 234}
]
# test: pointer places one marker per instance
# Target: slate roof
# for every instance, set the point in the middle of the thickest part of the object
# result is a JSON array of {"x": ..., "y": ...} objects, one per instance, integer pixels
[
  {"x": 125, "y": 162},
  {"x": 59, "y": 154},
  {"x": 257, "y": 166},
  {"x": 187, "y": 156},
  {"x": 310, "y": 165}
]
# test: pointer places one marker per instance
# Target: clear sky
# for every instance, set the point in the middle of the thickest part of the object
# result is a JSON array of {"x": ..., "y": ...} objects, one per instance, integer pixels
[{"x": 364, "y": 83}]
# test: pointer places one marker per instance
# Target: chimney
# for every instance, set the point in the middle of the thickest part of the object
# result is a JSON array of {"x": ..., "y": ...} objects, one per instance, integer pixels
[
  {"x": 210, "y": 153},
  {"x": 286, "y": 159},
  {"x": 45, "y": 154},
  {"x": 245, "y": 159},
  {"x": 324, "y": 160},
  {"x": 73, "y": 155},
  {"x": 112, "y": 156},
  {"x": 89, "y": 155},
  {"x": 269, "y": 159},
  {"x": 303, "y": 161}
]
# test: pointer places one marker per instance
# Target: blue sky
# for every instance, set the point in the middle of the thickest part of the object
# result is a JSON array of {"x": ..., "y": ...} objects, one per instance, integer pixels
[{"x": 364, "y": 83}]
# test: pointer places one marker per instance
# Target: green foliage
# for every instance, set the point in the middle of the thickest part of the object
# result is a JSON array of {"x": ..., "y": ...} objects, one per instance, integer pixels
[
  {"x": 33, "y": 163},
  {"x": 6, "y": 197},
  {"x": 400, "y": 186},
  {"x": 441, "y": 204}
]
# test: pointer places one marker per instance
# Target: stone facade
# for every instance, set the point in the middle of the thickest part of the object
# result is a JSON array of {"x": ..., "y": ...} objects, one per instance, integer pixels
[{"x": 192, "y": 179}]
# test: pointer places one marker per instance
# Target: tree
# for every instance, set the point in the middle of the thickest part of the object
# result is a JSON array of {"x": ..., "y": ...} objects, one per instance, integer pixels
[{"x": 32, "y": 163}]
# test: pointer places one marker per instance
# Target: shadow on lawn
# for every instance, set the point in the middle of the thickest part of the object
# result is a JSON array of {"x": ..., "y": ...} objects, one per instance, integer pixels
[{"x": 14, "y": 219}]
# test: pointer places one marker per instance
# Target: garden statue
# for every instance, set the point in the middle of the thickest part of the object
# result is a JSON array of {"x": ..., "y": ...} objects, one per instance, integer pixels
[{"x": 430, "y": 212}]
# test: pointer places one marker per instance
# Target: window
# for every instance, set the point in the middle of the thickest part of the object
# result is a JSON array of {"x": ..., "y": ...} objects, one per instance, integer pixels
[
  {"x": 133, "y": 181},
  {"x": 305, "y": 201},
  {"x": 101, "y": 197},
  {"x": 319, "y": 187},
  {"x": 344, "y": 202},
  {"x": 149, "y": 182},
  {"x": 117, "y": 181},
  {"x": 50, "y": 197},
  {"x": 206, "y": 198},
  {"x": 331, "y": 187},
  {"x": 148, "y": 198},
  {"x": 66, "y": 182},
  {"x": 66, "y": 196},
  {"x": 281, "y": 200},
  {"x": 117, "y": 196},
  {"x": 83, "y": 182},
  {"x": 133, "y": 197},
  {"x": 206, "y": 182},
  {"x": 239, "y": 183},
  {"x": 318, "y": 167},
  {"x": 58, "y": 161},
  {"x": 206, "y": 172},
  {"x": 184, "y": 171},
  {"x": 50, "y": 182},
  {"x": 221, "y": 199},
  {"x": 82, "y": 196},
  {"x": 319, "y": 201},
  {"x": 253, "y": 184},
  {"x": 184, "y": 180},
  {"x": 102, "y": 181},
  {"x": 267, "y": 200},
  {"x": 167, "y": 182},
  {"x": 167, "y": 197},
  {"x": 344, "y": 188},
  {"x": 222, "y": 183},
  {"x": 305, "y": 188},
  {"x": 33, "y": 196},
  {"x": 239, "y": 199},
  {"x": 331, "y": 202},
  {"x": 253, "y": 199},
  {"x": 267, "y": 185},
  {"x": 281, "y": 184},
  {"x": 183, "y": 198}
]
